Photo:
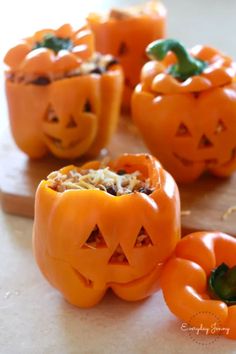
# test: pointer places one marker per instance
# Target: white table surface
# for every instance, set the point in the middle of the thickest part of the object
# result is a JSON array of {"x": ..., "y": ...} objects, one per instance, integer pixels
[{"x": 33, "y": 317}]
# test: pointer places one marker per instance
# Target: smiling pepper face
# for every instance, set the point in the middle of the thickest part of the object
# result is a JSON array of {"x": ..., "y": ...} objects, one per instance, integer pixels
[
  {"x": 70, "y": 124},
  {"x": 87, "y": 241},
  {"x": 62, "y": 97},
  {"x": 68, "y": 117},
  {"x": 189, "y": 133}
]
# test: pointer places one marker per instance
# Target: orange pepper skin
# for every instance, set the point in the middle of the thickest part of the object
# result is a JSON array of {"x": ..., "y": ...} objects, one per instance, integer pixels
[
  {"x": 26, "y": 58},
  {"x": 127, "y": 38},
  {"x": 36, "y": 135},
  {"x": 184, "y": 281},
  {"x": 67, "y": 117},
  {"x": 64, "y": 221},
  {"x": 189, "y": 126}
]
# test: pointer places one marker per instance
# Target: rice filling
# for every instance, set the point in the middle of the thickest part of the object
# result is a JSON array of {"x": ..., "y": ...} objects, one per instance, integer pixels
[{"x": 115, "y": 183}]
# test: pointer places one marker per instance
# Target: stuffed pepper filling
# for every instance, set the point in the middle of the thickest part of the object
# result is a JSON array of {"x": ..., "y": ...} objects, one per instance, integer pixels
[
  {"x": 96, "y": 64},
  {"x": 116, "y": 183},
  {"x": 150, "y": 8}
]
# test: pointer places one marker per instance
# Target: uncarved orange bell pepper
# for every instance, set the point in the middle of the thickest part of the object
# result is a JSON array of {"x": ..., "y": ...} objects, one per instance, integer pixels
[
  {"x": 53, "y": 106},
  {"x": 64, "y": 222},
  {"x": 199, "y": 282},
  {"x": 185, "y": 109},
  {"x": 125, "y": 34}
]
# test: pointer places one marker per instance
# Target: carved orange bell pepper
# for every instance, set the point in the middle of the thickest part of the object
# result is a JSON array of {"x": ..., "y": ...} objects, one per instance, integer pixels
[
  {"x": 199, "y": 282},
  {"x": 125, "y": 33},
  {"x": 62, "y": 97},
  {"x": 66, "y": 220},
  {"x": 185, "y": 108}
]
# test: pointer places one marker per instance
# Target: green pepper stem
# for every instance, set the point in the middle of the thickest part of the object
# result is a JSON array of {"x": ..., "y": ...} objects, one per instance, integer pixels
[
  {"x": 187, "y": 65},
  {"x": 222, "y": 284}
]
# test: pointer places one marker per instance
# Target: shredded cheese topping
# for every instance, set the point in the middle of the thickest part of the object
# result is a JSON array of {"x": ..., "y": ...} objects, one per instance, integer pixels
[
  {"x": 115, "y": 183},
  {"x": 150, "y": 8}
]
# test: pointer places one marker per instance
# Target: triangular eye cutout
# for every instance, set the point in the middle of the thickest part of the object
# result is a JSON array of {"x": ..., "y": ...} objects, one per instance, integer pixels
[
  {"x": 123, "y": 49},
  {"x": 118, "y": 257},
  {"x": 71, "y": 123},
  {"x": 87, "y": 107},
  {"x": 95, "y": 240},
  {"x": 204, "y": 142},
  {"x": 51, "y": 116},
  {"x": 143, "y": 239},
  {"x": 182, "y": 130},
  {"x": 220, "y": 127}
]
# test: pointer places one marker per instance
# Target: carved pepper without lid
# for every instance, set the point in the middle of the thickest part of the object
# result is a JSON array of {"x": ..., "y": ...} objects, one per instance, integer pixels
[
  {"x": 125, "y": 33},
  {"x": 82, "y": 269}
]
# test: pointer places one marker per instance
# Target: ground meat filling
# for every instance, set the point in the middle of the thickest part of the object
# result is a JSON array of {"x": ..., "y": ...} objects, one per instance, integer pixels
[
  {"x": 97, "y": 64},
  {"x": 116, "y": 183}
]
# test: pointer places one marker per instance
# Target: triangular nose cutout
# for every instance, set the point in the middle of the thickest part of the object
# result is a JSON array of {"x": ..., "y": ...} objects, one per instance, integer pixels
[
  {"x": 71, "y": 123},
  {"x": 183, "y": 130},
  {"x": 51, "y": 116},
  {"x": 118, "y": 257},
  {"x": 204, "y": 142}
]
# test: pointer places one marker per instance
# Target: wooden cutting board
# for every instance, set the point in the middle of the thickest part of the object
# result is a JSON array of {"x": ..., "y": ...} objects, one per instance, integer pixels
[{"x": 203, "y": 202}]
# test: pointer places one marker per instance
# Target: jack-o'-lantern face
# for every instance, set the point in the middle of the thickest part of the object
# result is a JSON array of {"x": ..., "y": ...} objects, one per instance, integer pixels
[
  {"x": 96, "y": 241},
  {"x": 119, "y": 254},
  {"x": 63, "y": 135},
  {"x": 204, "y": 147},
  {"x": 132, "y": 57},
  {"x": 189, "y": 133},
  {"x": 205, "y": 139},
  {"x": 125, "y": 34},
  {"x": 71, "y": 118}
]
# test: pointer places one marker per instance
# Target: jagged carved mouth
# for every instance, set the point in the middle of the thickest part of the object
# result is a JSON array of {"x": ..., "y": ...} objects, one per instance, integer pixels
[
  {"x": 118, "y": 257},
  {"x": 188, "y": 162},
  {"x": 60, "y": 144},
  {"x": 208, "y": 162},
  {"x": 88, "y": 283}
]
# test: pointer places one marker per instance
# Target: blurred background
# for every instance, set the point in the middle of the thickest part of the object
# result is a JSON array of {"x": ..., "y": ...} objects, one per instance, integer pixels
[{"x": 192, "y": 21}]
